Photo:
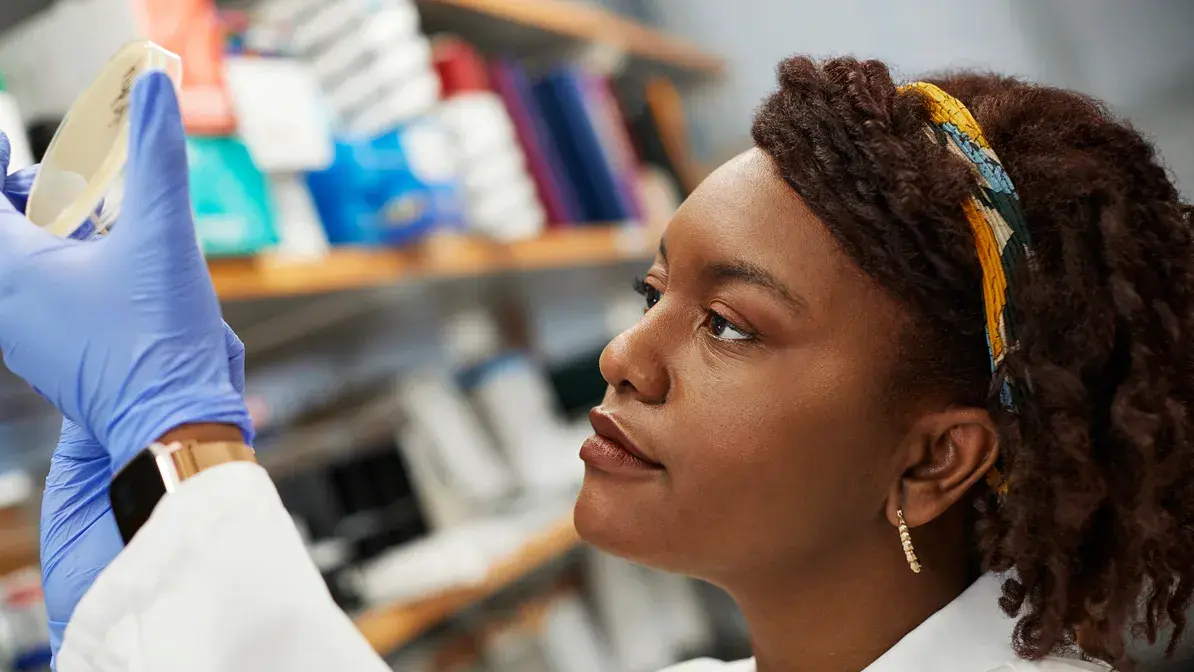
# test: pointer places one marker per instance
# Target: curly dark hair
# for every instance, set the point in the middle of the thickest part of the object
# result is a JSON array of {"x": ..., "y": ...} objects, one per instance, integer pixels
[{"x": 1098, "y": 522}]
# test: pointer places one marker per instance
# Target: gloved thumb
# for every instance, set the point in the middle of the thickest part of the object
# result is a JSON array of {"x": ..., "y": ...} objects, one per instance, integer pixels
[
  {"x": 155, "y": 221},
  {"x": 19, "y": 239},
  {"x": 236, "y": 370},
  {"x": 5, "y": 156},
  {"x": 16, "y": 186},
  {"x": 236, "y": 359}
]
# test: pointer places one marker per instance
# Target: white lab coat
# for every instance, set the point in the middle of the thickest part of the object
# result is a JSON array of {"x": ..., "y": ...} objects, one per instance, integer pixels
[{"x": 219, "y": 580}]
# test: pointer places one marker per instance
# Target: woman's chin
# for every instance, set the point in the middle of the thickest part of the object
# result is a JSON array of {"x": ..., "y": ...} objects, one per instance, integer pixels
[
  {"x": 604, "y": 526},
  {"x": 624, "y": 523}
]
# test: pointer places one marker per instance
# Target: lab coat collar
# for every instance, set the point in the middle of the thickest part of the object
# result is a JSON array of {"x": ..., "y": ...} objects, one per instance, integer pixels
[{"x": 970, "y": 634}]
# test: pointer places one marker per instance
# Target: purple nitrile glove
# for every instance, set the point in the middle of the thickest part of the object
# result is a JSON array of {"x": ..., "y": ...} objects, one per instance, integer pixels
[
  {"x": 123, "y": 334},
  {"x": 79, "y": 535}
]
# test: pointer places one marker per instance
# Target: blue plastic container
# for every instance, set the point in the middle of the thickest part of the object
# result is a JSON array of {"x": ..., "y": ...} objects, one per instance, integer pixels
[{"x": 392, "y": 189}]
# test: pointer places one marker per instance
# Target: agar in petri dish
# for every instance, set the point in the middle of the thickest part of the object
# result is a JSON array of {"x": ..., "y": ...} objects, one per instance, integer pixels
[{"x": 78, "y": 186}]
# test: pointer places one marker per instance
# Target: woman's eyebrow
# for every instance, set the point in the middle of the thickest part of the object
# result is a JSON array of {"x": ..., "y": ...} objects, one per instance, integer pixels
[{"x": 744, "y": 271}]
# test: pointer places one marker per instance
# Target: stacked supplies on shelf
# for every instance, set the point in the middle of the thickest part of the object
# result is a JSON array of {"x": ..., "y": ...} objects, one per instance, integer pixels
[
  {"x": 394, "y": 176},
  {"x": 455, "y": 559},
  {"x": 315, "y": 123},
  {"x": 546, "y": 166},
  {"x": 454, "y": 462},
  {"x": 501, "y": 197},
  {"x": 56, "y": 54},
  {"x": 234, "y": 195},
  {"x": 193, "y": 30},
  {"x": 285, "y": 142},
  {"x": 563, "y": 147},
  {"x": 371, "y": 60},
  {"x": 578, "y": 147},
  {"x": 512, "y": 394},
  {"x": 600, "y": 148},
  {"x": 584, "y": 121}
]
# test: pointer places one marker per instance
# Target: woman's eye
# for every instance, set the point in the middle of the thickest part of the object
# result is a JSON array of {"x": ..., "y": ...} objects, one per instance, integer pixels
[
  {"x": 725, "y": 330},
  {"x": 650, "y": 294}
]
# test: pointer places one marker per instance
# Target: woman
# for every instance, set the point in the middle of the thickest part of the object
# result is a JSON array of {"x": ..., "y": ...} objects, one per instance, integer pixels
[
  {"x": 813, "y": 371},
  {"x": 915, "y": 365}
]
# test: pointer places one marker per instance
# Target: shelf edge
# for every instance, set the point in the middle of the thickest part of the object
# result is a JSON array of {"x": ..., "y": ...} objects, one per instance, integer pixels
[
  {"x": 387, "y": 628},
  {"x": 443, "y": 257},
  {"x": 579, "y": 21}
]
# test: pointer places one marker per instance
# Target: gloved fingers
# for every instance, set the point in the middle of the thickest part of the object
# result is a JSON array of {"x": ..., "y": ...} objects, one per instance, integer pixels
[
  {"x": 17, "y": 186},
  {"x": 19, "y": 238},
  {"x": 5, "y": 155},
  {"x": 75, "y": 500},
  {"x": 156, "y": 223},
  {"x": 69, "y": 585},
  {"x": 79, "y": 536},
  {"x": 236, "y": 371},
  {"x": 86, "y": 534},
  {"x": 79, "y": 563},
  {"x": 71, "y": 476},
  {"x": 76, "y": 443},
  {"x": 236, "y": 358}
]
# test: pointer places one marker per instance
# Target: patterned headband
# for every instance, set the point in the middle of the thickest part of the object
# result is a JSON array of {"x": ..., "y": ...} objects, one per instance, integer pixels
[{"x": 997, "y": 221}]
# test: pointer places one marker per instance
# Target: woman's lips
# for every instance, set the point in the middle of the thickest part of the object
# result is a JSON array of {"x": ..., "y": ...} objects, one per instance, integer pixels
[{"x": 610, "y": 450}]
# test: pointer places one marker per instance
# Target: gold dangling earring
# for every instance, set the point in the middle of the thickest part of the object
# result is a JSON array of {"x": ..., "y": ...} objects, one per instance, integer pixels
[{"x": 906, "y": 542}]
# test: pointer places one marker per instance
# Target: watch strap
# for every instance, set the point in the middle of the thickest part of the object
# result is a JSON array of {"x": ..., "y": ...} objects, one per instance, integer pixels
[
  {"x": 159, "y": 470},
  {"x": 188, "y": 459}
]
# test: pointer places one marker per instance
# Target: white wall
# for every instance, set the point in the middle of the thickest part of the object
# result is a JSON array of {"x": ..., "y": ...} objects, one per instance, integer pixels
[{"x": 1138, "y": 56}]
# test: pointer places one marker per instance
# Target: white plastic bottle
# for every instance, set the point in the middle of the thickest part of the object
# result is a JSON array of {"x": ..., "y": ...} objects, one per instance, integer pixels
[{"x": 14, "y": 127}]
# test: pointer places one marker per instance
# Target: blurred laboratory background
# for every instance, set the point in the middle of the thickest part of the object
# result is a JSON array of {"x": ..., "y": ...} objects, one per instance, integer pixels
[{"x": 423, "y": 218}]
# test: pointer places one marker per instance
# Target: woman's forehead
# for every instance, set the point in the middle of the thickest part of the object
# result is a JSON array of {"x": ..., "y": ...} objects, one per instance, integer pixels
[{"x": 745, "y": 212}]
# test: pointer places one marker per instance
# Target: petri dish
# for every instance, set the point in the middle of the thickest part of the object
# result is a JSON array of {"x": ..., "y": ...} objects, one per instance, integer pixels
[{"x": 77, "y": 191}]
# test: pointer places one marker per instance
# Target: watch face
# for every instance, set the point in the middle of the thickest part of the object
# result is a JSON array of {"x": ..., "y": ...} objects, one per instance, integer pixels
[{"x": 135, "y": 491}]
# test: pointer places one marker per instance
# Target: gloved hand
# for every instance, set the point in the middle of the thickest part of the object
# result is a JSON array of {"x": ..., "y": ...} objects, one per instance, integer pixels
[
  {"x": 123, "y": 334},
  {"x": 79, "y": 537}
]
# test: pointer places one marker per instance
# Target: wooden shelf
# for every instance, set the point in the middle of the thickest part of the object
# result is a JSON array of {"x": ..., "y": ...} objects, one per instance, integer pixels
[
  {"x": 465, "y": 651},
  {"x": 444, "y": 256},
  {"x": 388, "y": 628},
  {"x": 568, "y": 19}
]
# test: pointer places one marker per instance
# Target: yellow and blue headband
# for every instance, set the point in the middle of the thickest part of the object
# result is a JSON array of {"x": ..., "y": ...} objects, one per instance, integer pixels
[{"x": 997, "y": 221}]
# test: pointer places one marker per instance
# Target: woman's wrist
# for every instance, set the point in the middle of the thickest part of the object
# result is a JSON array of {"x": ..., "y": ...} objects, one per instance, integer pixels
[
  {"x": 193, "y": 414},
  {"x": 198, "y": 432},
  {"x": 203, "y": 433}
]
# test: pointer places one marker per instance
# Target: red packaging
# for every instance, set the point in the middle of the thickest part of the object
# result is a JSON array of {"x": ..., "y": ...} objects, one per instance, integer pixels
[
  {"x": 461, "y": 68},
  {"x": 192, "y": 29}
]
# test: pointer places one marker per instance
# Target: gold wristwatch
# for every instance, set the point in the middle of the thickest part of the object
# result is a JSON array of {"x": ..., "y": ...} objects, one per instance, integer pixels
[{"x": 159, "y": 470}]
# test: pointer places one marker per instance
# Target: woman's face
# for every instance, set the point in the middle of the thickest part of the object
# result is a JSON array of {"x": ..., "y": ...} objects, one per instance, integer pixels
[{"x": 755, "y": 384}]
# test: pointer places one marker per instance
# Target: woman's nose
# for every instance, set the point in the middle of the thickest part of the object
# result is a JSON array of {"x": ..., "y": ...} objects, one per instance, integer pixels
[{"x": 633, "y": 364}]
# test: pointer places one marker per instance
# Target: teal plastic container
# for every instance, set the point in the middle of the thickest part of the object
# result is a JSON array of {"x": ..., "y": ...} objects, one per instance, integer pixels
[{"x": 234, "y": 210}]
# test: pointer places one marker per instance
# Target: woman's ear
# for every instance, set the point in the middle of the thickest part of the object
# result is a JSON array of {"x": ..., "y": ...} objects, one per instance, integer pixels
[{"x": 946, "y": 454}]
